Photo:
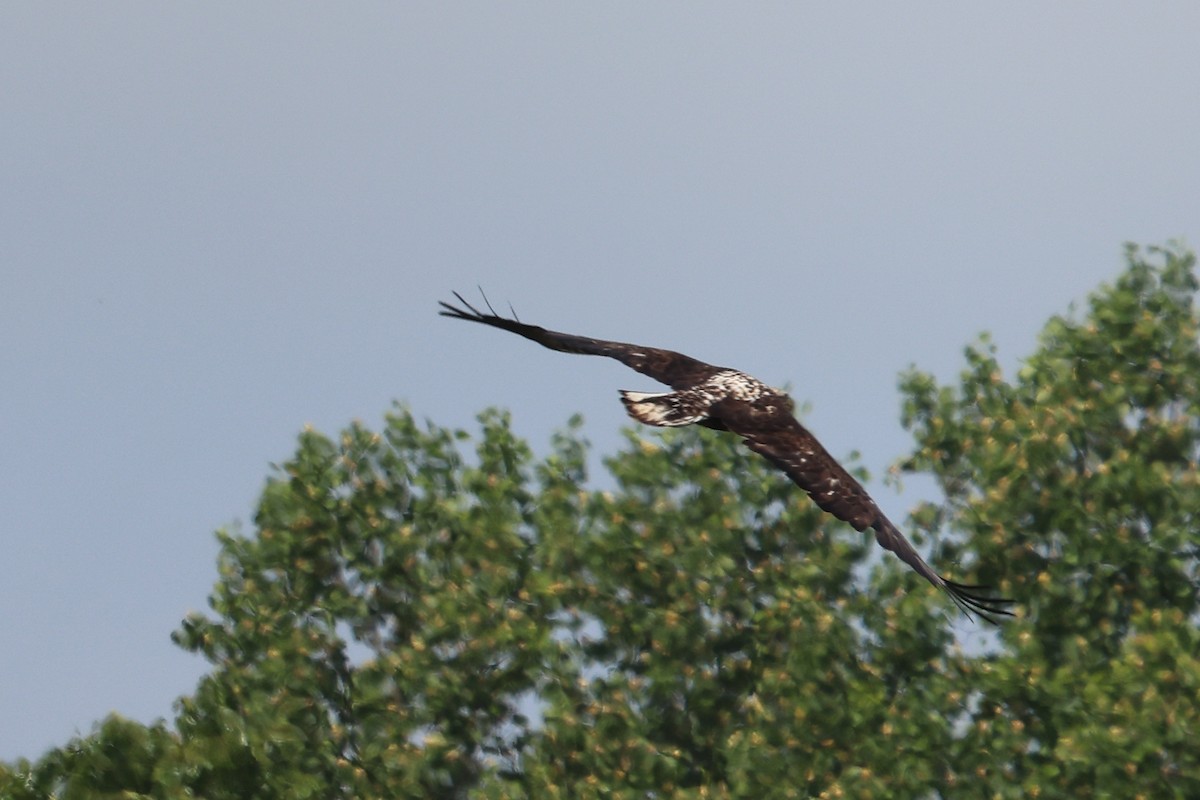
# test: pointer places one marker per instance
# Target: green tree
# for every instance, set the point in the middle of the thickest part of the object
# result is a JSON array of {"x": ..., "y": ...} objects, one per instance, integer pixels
[
  {"x": 1080, "y": 477},
  {"x": 121, "y": 759},
  {"x": 422, "y": 612}
]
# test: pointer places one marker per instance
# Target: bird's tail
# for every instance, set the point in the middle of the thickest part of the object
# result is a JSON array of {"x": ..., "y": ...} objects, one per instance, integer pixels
[{"x": 664, "y": 409}]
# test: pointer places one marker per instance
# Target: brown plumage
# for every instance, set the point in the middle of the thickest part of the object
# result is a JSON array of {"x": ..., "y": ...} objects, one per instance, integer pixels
[{"x": 729, "y": 400}]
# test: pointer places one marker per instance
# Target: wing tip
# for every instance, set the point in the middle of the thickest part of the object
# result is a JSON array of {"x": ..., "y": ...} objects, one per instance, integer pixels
[
  {"x": 973, "y": 599},
  {"x": 472, "y": 314},
  {"x": 467, "y": 312}
]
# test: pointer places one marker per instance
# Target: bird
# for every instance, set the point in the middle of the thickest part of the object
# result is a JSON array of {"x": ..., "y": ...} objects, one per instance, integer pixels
[{"x": 729, "y": 400}]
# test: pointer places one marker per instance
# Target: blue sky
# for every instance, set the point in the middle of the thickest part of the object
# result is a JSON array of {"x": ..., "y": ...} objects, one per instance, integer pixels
[{"x": 222, "y": 221}]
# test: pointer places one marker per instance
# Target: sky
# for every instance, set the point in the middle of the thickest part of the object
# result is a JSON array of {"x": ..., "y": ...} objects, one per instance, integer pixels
[{"x": 220, "y": 222}]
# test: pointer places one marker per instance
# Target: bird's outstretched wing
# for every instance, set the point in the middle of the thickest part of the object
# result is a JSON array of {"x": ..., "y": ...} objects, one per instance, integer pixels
[
  {"x": 789, "y": 446},
  {"x": 729, "y": 400},
  {"x": 666, "y": 366}
]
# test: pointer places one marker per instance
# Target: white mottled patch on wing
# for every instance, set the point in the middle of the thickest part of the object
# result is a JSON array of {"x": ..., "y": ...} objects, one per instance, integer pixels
[{"x": 737, "y": 385}]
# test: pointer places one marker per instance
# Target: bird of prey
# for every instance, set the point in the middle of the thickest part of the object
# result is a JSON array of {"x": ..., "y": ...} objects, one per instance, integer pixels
[{"x": 728, "y": 400}]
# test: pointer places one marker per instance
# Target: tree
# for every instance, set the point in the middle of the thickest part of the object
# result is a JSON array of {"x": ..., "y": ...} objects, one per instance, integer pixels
[
  {"x": 1081, "y": 478},
  {"x": 411, "y": 620},
  {"x": 120, "y": 759}
]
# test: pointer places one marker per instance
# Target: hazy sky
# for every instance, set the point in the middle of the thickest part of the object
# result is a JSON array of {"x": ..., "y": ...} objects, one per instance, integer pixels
[{"x": 221, "y": 221}]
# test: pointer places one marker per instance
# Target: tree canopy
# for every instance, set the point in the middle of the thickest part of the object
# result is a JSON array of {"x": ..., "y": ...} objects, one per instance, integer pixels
[{"x": 424, "y": 612}]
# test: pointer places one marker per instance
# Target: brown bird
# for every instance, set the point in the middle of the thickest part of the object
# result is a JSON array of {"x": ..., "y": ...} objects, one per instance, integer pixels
[{"x": 728, "y": 400}]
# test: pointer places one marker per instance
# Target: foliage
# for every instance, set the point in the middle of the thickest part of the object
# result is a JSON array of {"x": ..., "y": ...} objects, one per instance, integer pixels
[
  {"x": 1081, "y": 479},
  {"x": 425, "y": 613},
  {"x": 121, "y": 759}
]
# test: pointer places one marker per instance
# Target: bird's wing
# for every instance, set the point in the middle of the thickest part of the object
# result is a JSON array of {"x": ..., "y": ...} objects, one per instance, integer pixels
[
  {"x": 789, "y": 446},
  {"x": 674, "y": 369}
]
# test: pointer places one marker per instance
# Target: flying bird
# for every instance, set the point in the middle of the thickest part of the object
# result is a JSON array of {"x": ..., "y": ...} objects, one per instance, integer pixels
[{"x": 729, "y": 400}]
